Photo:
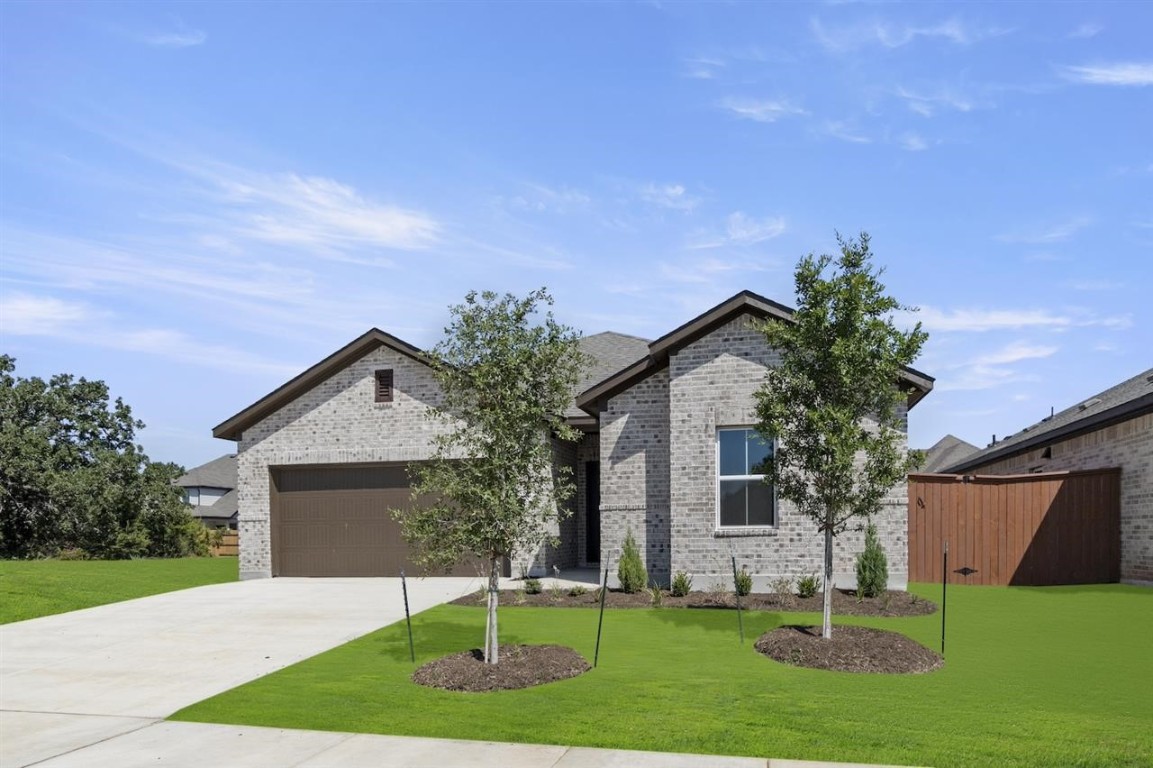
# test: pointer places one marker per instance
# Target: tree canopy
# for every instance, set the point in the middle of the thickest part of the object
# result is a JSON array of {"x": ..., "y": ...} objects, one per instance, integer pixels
[
  {"x": 72, "y": 477},
  {"x": 835, "y": 403},
  {"x": 507, "y": 374}
]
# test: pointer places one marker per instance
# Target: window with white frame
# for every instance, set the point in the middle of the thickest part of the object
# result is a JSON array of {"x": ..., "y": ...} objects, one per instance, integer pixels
[{"x": 744, "y": 499}]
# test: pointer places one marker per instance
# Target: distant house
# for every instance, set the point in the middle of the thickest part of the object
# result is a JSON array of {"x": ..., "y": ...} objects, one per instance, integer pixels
[
  {"x": 945, "y": 452},
  {"x": 1111, "y": 429},
  {"x": 211, "y": 491}
]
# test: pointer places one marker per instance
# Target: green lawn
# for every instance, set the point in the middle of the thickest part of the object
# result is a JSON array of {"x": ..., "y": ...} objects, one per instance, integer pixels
[
  {"x": 1053, "y": 676},
  {"x": 32, "y": 588}
]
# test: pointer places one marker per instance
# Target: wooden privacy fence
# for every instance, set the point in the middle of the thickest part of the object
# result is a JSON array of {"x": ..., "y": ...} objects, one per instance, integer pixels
[
  {"x": 1037, "y": 529},
  {"x": 229, "y": 545}
]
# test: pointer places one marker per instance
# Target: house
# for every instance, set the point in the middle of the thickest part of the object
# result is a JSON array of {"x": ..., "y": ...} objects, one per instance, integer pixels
[
  {"x": 667, "y": 452},
  {"x": 945, "y": 452},
  {"x": 211, "y": 491},
  {"x": 1113, "y": 428}
]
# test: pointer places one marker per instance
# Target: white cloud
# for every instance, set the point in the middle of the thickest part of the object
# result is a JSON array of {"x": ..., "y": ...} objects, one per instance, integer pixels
[
  {"x": 913, "y": 142},
  {"x": 839, "y": 129},
  {"x": 892, "y": 35},
  {"x": 184, "y": 39},
  {"x": 1053, "y": 233},
  {"x": 740, "y": 230},
  {"x": 763, "y": 110},
  {"x": 1096, "y": 285},
  {"x": 1014, "y": 352},
  {"x": 705, "y": 271},
  {"x": 928, "y": 104},
  {"x": 703, "y": 67},
  {"x": 541, "y": 198},
  {"x": 47, "y": 316},
  {"x": 672, "y": 196},
  {"x": 980, "y": 320},
  {"x": 991, "y": 369},
  {"x": 1126, "y": 73},
  {"x": 1088, "y": 29}
]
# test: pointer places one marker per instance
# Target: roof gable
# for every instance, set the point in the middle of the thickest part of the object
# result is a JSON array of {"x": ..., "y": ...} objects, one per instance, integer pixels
[
  {"x": 218, "y": 473},
  {"x": 233, "y": 428},
  {"x": 744, "y": 303}
]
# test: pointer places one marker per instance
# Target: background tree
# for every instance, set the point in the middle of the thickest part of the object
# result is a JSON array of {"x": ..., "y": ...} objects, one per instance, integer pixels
[
  {"x": 834, "y": 401},
  {"x": 72, "y": 477},
  {"x": 507, "y": 376}
]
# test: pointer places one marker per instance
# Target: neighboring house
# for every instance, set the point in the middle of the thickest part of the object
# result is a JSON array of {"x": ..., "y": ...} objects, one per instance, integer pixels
[
  {"x": 668, "y": 452},
  {"x": 211, "y": 490},
  {"x": 945, "y": 452},
  {"x": 1110, "y": 429}
]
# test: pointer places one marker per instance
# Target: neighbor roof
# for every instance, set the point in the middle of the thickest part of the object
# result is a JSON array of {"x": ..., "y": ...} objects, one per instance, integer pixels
[
  {"x": 948, "y": 450},
  {"x": 1132, "y": 397},
  {"x": 218, "y": 473},
  {"x": 745, "y": 302},
  {"x": 224, "y": 508}
]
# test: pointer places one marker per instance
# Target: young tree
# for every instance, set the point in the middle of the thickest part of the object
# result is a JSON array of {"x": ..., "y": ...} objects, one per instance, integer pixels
[
  {"x": 834, "y": 401},
  {"x": 507, "y": 376}
]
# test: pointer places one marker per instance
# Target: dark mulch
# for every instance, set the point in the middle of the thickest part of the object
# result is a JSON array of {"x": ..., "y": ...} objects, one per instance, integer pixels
[
  {"x": 850, "y": 649},
  {"x": 845, "y": 602},
  {"x": 521, "y": 666}
]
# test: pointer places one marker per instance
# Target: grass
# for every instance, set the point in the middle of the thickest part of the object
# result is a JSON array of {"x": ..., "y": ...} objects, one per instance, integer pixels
[
  {"x": 33, "y": 588},
  {"x": 1050, "y": 676}
]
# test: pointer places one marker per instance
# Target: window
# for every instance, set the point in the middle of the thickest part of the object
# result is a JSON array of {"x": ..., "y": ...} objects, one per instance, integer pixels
[
  {"x": 743, "y": 498},
  {"x": 384, "y": 386}
]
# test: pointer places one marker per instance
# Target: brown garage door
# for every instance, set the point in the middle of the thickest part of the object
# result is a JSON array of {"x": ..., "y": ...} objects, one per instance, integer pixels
[{"x": 334, "y": 521}]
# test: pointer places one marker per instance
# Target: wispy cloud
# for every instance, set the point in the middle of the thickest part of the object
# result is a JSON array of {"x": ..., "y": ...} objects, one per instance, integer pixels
[
  {"x": 1053, "y": 233},
  {"x": 740, "y": 230},
  {"x": 706, "y": 270},
  {"x": 992, "y": 369},
  {"x": 843, "y": 39},
  {"x": 982, "y": 320},
  {"x": 183, "y": 39},
  {"x": 1125, "y": 73},
  {"x": 672, "y": 196},
  {"x": 928, "y": 104},
  {"x": 75, "y": 322},
  {"x": 761, "y": 110},
  {"x": 1096, "y": 285},
  {"x": 703, "y": 67},
  {"x": 541, "y": 198},
  {"x": 844, "y": 131},
  {"x": 1088, "y": 29},
  {"x": 913, "y": 142}
]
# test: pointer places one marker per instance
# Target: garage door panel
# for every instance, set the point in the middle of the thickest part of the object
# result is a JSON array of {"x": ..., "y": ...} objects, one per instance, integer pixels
[{"x": 335, "y": 521}]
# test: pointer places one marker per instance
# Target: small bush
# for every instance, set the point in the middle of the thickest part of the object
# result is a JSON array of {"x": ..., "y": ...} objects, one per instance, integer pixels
[
  {"x": 782, "y": 588},
  {"x": 631, "y": 570},
  {"x": 743, "y": 581},
  {"x": 809, "y": 585},
  {"x": 656, "y": 595},
  {"x": 557, "y": 591},
  {"x": 872, "y": 566},
  {"x": 682, "y": 584},
  {"x": 577, "y": 591},
  {"x": 532, "y": 586}
]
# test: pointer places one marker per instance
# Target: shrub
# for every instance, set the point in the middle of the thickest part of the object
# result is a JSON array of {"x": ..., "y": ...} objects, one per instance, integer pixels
[
  {"x": 782, "y": 588},
  {"x": 577, "y": 591},
  {"x": 743, "y": 581},
  {"x": 532, "y": 586},
  {"x": 872, "y": 566},
  {"x": 631, "y": 570},
  {"x": 656, "y": 595},
  {"x": 682, "y": 584},
  {"x": 808, "y": 586}
]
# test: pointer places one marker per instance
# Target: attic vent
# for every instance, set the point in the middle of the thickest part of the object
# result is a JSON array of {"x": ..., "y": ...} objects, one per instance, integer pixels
[
  {"x": 384, "y": 385},
  {"x": 1089, "y": 403}
]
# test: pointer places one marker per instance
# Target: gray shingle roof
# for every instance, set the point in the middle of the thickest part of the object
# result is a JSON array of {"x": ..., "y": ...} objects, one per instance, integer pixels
[
  {"x": 610, "y": 352},
  {"x": 1130, "y": 398},
  {"x": 948, "y": 450},
  {"x": 218, "y": 473},
  {"x": 225, "y": 507}
]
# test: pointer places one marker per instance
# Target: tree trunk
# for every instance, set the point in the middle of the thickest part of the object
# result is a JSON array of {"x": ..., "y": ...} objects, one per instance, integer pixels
[
  {"x": 827, "y": 626},
  {"x": 491, "y": 647}
]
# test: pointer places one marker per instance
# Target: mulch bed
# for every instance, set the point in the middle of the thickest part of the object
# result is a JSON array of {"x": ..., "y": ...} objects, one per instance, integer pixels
[
  {"x": 845, "y": 602},
  {"x": 850, "y": 649},
  {"x": 521, "y": 666}
]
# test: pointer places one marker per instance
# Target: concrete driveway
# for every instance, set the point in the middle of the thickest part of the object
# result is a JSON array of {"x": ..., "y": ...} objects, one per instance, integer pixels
[{"x": 77, "y": 679}]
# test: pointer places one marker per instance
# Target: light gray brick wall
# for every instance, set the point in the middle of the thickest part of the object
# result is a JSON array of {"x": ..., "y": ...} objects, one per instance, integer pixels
[
  {"x": 1128, "y": 445},
  {"x": 710, "y": 384},
  {"x": 634, "y": 456},
  {"x": 338, "y": 422}
]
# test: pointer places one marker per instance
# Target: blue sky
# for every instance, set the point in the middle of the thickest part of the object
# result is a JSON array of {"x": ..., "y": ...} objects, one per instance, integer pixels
[{"x": 198, "y": 201}]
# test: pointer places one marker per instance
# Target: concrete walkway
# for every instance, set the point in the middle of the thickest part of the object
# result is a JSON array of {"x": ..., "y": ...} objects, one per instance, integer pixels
[{"x": 92, "y": 688}]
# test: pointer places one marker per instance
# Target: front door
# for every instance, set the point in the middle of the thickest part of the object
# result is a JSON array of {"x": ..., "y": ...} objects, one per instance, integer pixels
[{"x": 592, "y": 511}]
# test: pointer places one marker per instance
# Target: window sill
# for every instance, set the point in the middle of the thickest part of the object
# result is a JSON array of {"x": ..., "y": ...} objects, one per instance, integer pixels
[{"x": 741, "y": 533}]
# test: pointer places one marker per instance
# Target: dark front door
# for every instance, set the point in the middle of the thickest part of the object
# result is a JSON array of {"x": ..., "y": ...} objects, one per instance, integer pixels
[{"x": 593, "y": 511}]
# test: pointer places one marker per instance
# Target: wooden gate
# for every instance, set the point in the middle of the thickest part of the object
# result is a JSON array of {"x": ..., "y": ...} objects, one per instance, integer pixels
[{"x": 1037, "y": 529}]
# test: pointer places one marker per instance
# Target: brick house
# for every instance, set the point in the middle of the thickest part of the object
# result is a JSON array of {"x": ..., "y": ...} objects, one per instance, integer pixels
[
  {"x": 1111, "y": 429},
  {"x": 667, "y": 451}
]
